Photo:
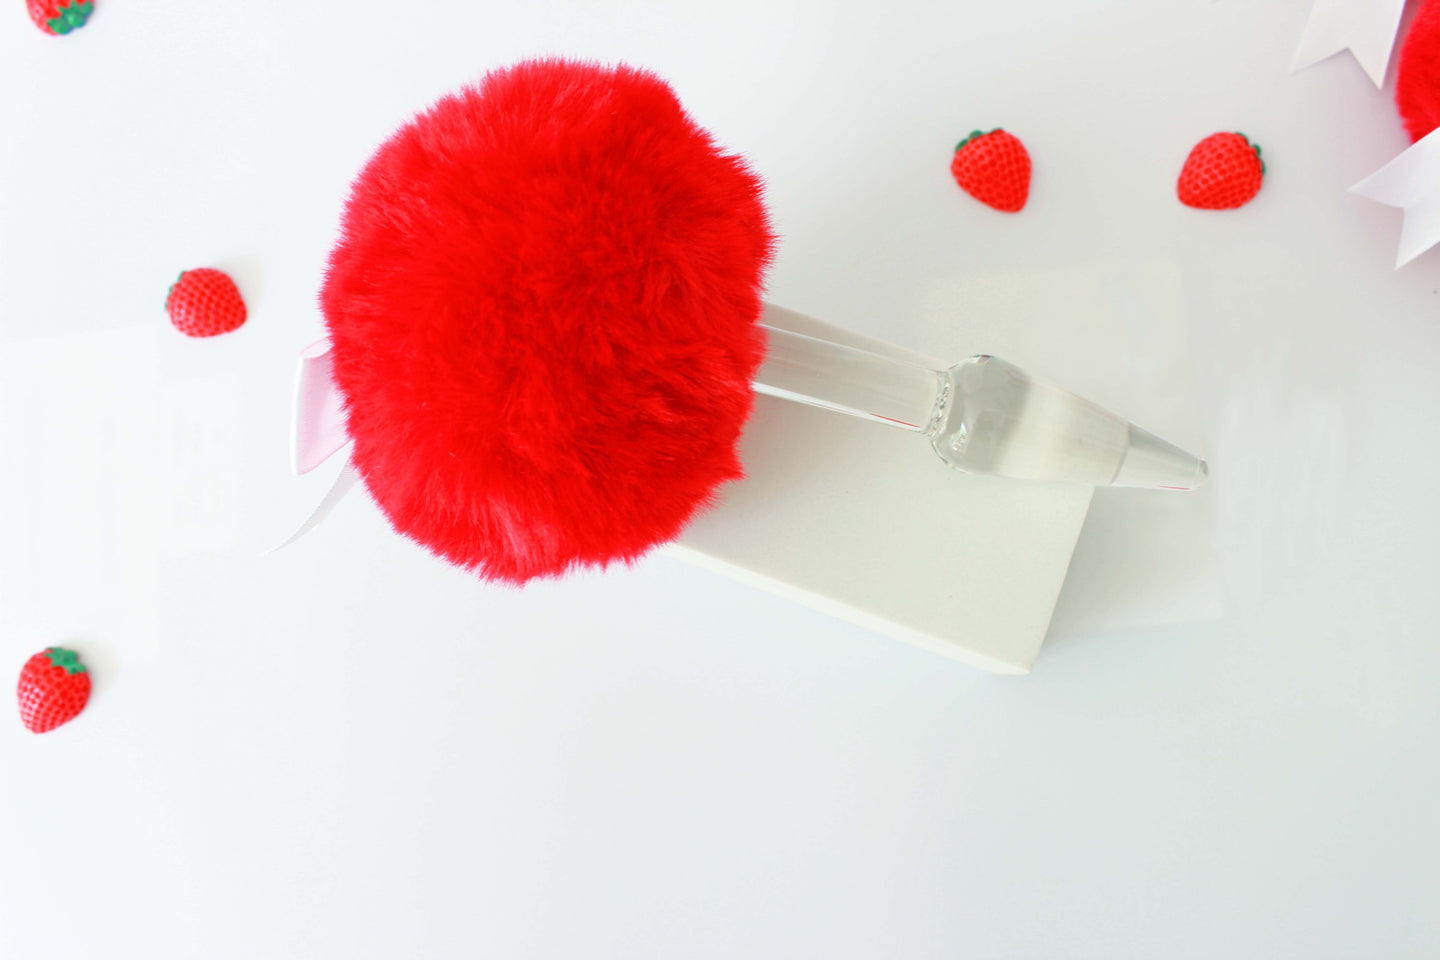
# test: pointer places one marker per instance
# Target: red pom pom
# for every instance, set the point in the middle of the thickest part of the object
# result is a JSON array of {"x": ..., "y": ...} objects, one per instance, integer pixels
[
  {"x": 543, "y": 316},
  {"x": 1417, "y": 86}
]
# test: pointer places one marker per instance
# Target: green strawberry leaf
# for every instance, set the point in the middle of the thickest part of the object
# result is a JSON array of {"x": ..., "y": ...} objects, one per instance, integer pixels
[
  {"x": 973, "y": 135},
  {"x": 71, "y": 16},
  {"x": 67, "y": 660}
]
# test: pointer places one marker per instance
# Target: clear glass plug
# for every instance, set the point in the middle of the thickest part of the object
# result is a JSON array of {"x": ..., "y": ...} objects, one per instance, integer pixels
[{"x": 982, "y": 415}]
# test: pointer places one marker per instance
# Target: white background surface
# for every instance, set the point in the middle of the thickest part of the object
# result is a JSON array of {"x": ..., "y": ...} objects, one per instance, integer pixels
[{"x": 348, "y": 750}]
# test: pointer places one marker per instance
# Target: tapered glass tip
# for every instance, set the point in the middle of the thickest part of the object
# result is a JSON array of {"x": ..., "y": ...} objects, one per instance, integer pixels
[{"x": 1158, "y": 464}]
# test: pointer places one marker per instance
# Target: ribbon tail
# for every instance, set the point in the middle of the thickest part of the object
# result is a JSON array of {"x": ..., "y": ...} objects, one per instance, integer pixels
[
  {"x": 317, "y": 427},
  {"x": 343, "y": 484},
  {"x": 1411, "y": 182},
  {"x": 1367, "y": 28},
  {"x": 1420, "y": 231}
]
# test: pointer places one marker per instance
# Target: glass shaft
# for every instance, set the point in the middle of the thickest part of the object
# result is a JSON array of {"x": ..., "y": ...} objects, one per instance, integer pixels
[
  {"x": 847, "y": 380},
  {"x": 981, "y": 415}
]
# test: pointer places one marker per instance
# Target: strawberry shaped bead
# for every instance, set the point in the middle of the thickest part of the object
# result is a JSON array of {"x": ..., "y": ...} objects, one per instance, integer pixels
[
  {"x": 54, "y": 687},
  {"x": 204, "y": 303},
  {"x": 994, "y": 168},
  {"x": 1223, "y": 171}
]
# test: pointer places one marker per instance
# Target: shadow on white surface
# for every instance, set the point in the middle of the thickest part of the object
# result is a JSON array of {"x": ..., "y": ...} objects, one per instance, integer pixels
[{"x": 1143, "y": 559}]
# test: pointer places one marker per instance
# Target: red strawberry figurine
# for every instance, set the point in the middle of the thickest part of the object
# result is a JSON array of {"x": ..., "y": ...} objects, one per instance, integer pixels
[
  {"x": 204, "y": 303},
  {"x": 994, "y": 168},
  {"x": 54, "y": 688},
  {"x": 59, "y": 17},
  {"x": 1223, "y": 172}
]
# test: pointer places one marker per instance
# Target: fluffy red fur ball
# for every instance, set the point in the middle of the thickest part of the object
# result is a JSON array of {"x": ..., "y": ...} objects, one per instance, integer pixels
[
  {"x": 543, "y": 313},
  {"x": 1417, "y": 85}
]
